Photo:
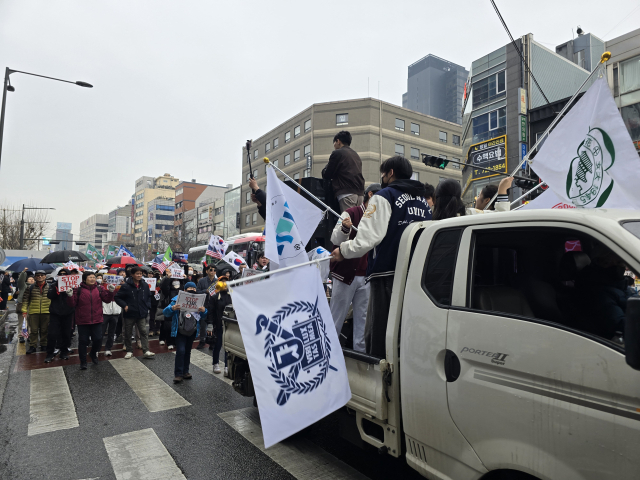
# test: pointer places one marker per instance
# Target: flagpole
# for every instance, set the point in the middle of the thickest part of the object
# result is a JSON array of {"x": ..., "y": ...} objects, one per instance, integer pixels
[
  {"x": 604, "y": 58},
  {"x": 533, "y": 189},
  {"x": 224, "y": 285},
  {"x": 268, "y": 162}
]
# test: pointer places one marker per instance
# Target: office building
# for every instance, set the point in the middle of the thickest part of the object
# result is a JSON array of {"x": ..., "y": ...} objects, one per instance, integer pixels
[
  {"x": 210, "y": 213},
  {"x": 495, "y": 128},
  {"x": 92, "y": 228},
  {"x": 120, "y": 220},
  {"x": 64, "y": 236},
  {"x": 147, "y": 190},
  {"x": 301, "y": 146},
  {"x": 585, "y": 50},
  {"x": 186, "y": 195},
  {"x": 160, "y": 216},
  {"x": 623, "y": 74},
  {"x": 435, "y": 87}
]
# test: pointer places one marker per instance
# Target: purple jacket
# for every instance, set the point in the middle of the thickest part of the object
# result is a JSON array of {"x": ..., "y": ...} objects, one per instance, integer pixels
[{"x": 87, "y": 300}]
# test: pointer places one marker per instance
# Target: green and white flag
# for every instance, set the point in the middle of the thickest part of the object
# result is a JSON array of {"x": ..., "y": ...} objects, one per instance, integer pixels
[
  {"x": 168, "y": 256},
  {"x": 589, "y": 160},
  {"x": 111, "y": 251},
  {"x": 94, "y": 254}
]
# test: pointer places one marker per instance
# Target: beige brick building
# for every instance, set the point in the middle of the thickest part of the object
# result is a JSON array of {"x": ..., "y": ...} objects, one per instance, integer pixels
[{"x": 310, "y": 134}]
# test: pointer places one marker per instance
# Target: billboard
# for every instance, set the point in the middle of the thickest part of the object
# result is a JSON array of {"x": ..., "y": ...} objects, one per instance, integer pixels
[{"x": 489, "y": 155}]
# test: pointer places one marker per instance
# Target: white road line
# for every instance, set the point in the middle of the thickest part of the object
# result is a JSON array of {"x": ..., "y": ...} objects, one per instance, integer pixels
[
  {"x": 51, "y": 406},
  {"x": 141, "y": 456},
  {"x": 205, "y": 362},
  {"x": 154, "y": 393},
  {"x": 301, "y": 458}
]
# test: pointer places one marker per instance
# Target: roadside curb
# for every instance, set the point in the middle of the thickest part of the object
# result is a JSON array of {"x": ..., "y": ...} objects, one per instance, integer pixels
[{"x": 5, "y": 361}]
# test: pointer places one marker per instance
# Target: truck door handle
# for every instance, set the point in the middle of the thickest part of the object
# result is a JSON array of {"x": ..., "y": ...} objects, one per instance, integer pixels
[{"x": 451, "y": 366}]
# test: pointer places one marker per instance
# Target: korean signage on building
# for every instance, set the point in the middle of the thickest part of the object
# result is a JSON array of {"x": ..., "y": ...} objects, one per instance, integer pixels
[
  {"x": 490, "y": 155},
  {"x": 522, "y": 93},
  {"x": 523, "y": 128}
]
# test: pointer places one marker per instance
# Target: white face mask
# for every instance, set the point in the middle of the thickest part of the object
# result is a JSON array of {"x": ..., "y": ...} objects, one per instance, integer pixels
[
  {"x": 190, "y": 272},
  {"x": 176, "y": 284},
  {"x": 99, "y": 280}
]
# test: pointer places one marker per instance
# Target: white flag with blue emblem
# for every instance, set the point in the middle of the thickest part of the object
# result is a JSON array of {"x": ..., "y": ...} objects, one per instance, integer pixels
[
  {"x": 589, "y": 160},
  {"x": 290, "y": 223},
  {"x": 296, "y": 361}
]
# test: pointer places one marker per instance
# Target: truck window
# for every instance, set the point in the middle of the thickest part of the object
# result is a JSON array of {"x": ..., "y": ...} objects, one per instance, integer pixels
[
  {"x": 556, "y": 276},
  {"x": 440, "y": 266}
]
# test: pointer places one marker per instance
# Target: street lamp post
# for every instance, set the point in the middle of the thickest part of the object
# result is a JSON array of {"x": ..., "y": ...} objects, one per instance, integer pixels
[
  {"x": 9, "y": 88},
  {"x": 22, "y": 222}
]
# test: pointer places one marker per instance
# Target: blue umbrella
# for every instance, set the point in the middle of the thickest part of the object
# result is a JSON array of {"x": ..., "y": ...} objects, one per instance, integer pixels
[{"x": 32, "y": 264}]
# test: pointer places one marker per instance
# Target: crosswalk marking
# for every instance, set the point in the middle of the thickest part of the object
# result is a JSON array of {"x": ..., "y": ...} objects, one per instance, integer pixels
[
  {"x": 141, "y": 455},
  {"x": 51, "y": 406},
  {"x": 205, "y": 362},
  {"x": 300, "y": 457},
  {"x": 154, "y": 393}
]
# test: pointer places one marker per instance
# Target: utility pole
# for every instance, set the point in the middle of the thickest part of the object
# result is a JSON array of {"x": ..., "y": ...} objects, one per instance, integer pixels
[{"x": 22, "y": 229}]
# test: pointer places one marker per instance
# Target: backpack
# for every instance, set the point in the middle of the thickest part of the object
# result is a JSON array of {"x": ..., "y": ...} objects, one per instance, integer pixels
[{"x": 187, "y": 323}]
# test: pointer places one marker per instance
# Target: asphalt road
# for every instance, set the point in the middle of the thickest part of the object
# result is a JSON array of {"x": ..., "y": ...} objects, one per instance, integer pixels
[{"x": 210, "y": 433}]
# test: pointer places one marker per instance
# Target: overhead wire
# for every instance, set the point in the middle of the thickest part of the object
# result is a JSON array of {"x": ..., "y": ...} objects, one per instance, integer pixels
[{"x": 495, "y": 7}]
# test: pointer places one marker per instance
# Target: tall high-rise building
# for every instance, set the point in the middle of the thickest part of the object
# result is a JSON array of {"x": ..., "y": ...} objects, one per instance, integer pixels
[
  {"x": 92, "y": 228},
  {"x": 147, "y": 190},
  {"x": 435, "y": 87},
  {"x": 64, "y": 235}
]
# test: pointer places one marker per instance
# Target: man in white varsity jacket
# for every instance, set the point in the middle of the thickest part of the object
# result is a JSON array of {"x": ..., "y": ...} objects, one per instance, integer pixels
[{"x": 400, "y": 202}]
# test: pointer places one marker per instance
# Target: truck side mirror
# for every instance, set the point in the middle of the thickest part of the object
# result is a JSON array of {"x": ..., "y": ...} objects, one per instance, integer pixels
[{"x": 632, "y": 333}]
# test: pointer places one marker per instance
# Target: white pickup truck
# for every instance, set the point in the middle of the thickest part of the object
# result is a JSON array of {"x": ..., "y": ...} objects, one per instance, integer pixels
[{"x": 505, "y": 349}]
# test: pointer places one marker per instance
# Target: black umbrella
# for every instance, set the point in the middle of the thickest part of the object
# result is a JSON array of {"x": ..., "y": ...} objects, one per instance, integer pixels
[
  {"x": 31, "y": 264},
  {"x": 64, "y": 256}
]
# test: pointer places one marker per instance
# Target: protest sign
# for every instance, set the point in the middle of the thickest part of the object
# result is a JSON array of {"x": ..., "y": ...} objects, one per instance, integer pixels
[
  {"x": 69, "y": 281},
  {"x": 151, "y": 282},
  {"x": 190, "y": 302},
  {"x": 176, "y": 271},
  {"x": 112, "y": 279},
  {"x": 250, "y": 272}
]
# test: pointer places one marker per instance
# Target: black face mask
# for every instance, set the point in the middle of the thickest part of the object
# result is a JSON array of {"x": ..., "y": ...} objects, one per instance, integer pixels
[{"x": 383, "y": 184}]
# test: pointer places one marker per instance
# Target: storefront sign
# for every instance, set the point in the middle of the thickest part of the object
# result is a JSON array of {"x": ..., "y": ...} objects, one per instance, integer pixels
[
  {"x": 490, "y": 155},
  {"x": 523, "y": 128},
  {"x": 522, "y": 93}
]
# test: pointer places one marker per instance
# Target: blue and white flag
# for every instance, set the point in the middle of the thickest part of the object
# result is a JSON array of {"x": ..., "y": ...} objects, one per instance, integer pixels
[
  {"x": 296, "y": 361},
  {"x": 290, "y": 223},
  {"x": 124, "y": 252}
]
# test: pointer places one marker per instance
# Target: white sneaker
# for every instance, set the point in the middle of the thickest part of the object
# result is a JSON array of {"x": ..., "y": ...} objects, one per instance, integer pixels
[
  {"x": 128, "y": 355},
  {"x": 161, "y": 342},
  {"x": 107, "y": 353},
  {"x": 216, "y": 368},
  {"x": 170, "y": 347},
  {"x": 149, "y": 354},
  {"x": 226, "y": 371},
  {"x": 56, "y": 351}
]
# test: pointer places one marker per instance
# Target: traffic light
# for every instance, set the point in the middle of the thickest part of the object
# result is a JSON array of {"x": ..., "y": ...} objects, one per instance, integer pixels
[
  {"x": 526, "y": 184},
  {"x": 435, "y": 162}
]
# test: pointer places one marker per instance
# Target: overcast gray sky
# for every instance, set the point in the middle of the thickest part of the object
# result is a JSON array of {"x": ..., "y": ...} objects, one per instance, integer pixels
[{"x": 180, "y": 85}]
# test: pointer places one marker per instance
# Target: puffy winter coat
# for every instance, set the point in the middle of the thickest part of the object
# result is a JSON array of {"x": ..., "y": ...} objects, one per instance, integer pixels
[
  {"x": 111, "y": 308},
  {"x": 59, "y": 304},
  {"x": 136, "y": 298},
  {"x": 87, "y": 300},
  {"x": 35, "y": 299}
]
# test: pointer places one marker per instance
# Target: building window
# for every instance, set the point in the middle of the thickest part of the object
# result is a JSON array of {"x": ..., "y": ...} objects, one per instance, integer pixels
[
  {"x": 287, "y": 137},
  {"x": 629, "y": 75},
  {"x": 296, "y": 155},
  {"x": 456, "y": 139},
  {"x": 399, "y": 124},
  {"x": 255, "y": 174},
  {"x": 247, "y": 220},
  {"x": 342, "y": 119},
  {"x": 455, "y": 165},
  {"x": 306, "y": 173},
  {"x": 307, "y": 126},
  {"x": 287, "y": 159},
  {"x": 415, "y": 153},
  {"x": 248, "y": 198},
  {"x": 489, "y": 88},
  {"x": 415, "y": 176},
  {"x": 296, "y": 176},
  {"x": 255, "y": 154},
  {"x": 490, "y": 125},
  {"x": 307, "y": 150},
  {"x": 399, "y": 149},
  {"x": 267, "y": 147},
  {"x": 254, "y": 219},
  {"x": 296, "y": 132},
  {"x": 179, "y": 192},
  {"x": 415, "y": 129},
  {"x": 275, "y": 143},
  {"x": 275, "y": 163},
  {"x": 248, "y": 176},
  {"x": 443, "y": 137}
]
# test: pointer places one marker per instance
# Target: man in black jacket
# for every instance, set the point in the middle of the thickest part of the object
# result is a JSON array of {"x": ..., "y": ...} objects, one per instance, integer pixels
[
  {"x": 135, "y": 299},
  {"x": 5, "y": 288},
  {"x": 345, "y": 172},
  {"x": 203, "y": 287},
  {"x": 217, "y": 302},
  {"x": 259, "y": 197},
  {"x": 60, "y": 319}
]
